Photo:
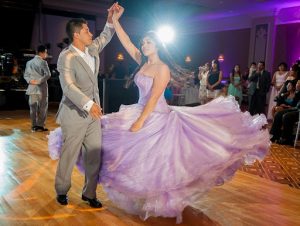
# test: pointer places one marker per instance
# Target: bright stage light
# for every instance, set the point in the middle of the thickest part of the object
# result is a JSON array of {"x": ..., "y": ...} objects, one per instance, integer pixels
[{"x": 166, "y": 34}]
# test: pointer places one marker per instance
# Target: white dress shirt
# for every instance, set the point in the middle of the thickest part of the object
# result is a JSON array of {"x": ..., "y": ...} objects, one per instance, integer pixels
[{"x": 90, "y": 60}]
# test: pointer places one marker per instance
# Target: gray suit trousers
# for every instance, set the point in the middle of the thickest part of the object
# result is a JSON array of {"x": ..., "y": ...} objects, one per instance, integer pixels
[
  {"x": 84, "y": 136},
  {"x": 38, "y": 104}
]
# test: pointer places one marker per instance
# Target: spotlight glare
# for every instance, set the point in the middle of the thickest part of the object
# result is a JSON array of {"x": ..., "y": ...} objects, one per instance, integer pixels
[{"x": 166, "y": 34}]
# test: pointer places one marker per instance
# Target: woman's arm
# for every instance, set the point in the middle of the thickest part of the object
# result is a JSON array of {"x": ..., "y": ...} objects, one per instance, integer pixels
[
  {"x": 238, "y": 85},
  {"x": 200, "y": 74},
  {"x": 160, "y": 83},
  {"x": 123, "y": 37},
  {"x": 231, "y": 78}
]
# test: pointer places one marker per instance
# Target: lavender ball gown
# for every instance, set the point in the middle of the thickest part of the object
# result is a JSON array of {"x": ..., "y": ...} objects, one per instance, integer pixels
[{"x": 178, "y": 155}]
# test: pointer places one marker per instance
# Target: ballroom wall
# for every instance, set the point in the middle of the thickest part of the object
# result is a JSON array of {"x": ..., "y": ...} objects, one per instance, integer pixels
[{"x": 287, "y": 46}]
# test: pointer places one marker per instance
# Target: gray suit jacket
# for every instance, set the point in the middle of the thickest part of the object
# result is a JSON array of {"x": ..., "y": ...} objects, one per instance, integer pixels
[
  {"x": 78, "y": 82},
  {"x": 264, "y": 80},
  {"x": 37, "y": 69},
  {"x": 252, "y": 84}
]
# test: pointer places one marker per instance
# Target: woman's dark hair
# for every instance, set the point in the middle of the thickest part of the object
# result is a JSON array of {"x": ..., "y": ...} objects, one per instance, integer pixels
[
  {"x": 176, "y": 70},
  {"x": 215, "y": 61},
  {"x": 233, "y": 71},
  {"x": 284, "y": 65}
]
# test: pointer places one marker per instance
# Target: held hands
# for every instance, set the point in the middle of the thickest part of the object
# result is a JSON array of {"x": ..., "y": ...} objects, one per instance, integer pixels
[
  {"x": 110, "y": 13},
  {"x": 95, "y": 111},
  {"x": 136, "y": 126},
  {"x": 117, "y": 11}
]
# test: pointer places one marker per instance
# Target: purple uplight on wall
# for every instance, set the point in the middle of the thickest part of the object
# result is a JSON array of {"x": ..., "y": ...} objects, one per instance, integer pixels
[
  {"x": 288, "y": 15},
  {"x": 287, "y": 46}
]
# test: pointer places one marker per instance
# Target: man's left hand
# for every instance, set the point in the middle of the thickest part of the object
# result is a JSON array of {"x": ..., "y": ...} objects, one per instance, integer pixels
[{"x": 110, "y": 13}]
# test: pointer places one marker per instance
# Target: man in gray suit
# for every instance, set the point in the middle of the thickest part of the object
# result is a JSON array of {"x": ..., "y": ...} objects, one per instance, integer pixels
[
  {"x": 251, "y": 85},
  {"x": 36, "y": 74},
  {"x": 79, "y": 112},
  {"x": 262, "y": 80}
]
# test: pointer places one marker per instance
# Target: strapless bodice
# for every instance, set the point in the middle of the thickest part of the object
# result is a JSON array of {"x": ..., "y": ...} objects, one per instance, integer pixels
[{"x": 144, "y": 83}]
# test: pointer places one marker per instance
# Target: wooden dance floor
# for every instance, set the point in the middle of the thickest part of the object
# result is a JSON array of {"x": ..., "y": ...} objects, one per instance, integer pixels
[{"x": 27, "y": 195}]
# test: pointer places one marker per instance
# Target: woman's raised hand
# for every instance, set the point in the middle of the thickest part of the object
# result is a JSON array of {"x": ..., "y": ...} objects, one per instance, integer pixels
[{"x": 117, "y": 11}]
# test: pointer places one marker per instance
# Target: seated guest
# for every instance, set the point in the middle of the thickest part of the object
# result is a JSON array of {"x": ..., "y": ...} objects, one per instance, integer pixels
[
  {"x": 282, "y": 127},
  {"x": 291, "y": 76},
  {"x": 288, "y": 99}
]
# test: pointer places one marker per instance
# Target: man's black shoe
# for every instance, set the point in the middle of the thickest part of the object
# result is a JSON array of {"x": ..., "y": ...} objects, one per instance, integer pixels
[
  {"x": 95, "y": 203},
  {"x": 34, "y": 129},
  {"x": 41, "y": 129},
  {"x": 62, "y": 199}
]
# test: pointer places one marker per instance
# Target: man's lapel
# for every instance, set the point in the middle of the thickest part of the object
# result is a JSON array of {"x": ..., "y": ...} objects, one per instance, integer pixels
[{"x": 83, "y": 63}]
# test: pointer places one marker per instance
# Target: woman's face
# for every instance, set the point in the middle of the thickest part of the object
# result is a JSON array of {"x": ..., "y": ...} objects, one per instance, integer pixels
[
  {"x": 237, "y": 68},
  {"x": 281, "y": 68},
  {"x": 206, "y": 66},
  {"x": 148, "y": 46},
  {"x": 289, "y": 87},
  {"x": 214, "y": 65}
]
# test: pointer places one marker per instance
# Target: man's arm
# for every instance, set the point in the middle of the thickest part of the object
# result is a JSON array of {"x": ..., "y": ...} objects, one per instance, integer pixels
[
  {"x": 46, "y": 72},
  {"x": 68, "y": 82},
  {"x": 27, "y": 73},
  {"x": 107, "y": 33},
  {"x": 104, "y": 38},
  {"x": 253, "y": 77}
]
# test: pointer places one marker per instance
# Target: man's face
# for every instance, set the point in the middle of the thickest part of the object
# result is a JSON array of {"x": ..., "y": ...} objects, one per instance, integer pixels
[
  {"x": 260, "y": 66},
  {"x": 84, "y": 35},
  {"x": 44, "y": 54}
]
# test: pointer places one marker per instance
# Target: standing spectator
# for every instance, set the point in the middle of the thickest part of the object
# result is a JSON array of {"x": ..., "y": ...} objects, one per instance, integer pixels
[
  {"x": 214, "y": 80},
  {"x": 235, "y": 87},
  {"x": 36, "y": 74},
  {"x": 278, "y": 80},
  {"x": 251, "y": 85},
  {"x": 203, "y": 73},
  {"x": 262, "y": 80}
]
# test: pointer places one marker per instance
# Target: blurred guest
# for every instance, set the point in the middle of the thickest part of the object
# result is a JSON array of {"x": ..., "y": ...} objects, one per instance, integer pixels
[
  {"x": 278, "y": 80},
  {"x": 214, "y": 79},
  {"x": 203, "y": 73},
  {"x": 235, "y": 87},
  {"x": 36, "y": 74},
  {"x": 262, "y": 80}
]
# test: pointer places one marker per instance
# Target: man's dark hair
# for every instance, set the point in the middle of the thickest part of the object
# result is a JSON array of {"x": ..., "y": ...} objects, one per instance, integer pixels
[
  {"x": 41, "y": 49},
  {"x": 262, "y": 62},
  {"x": 74, "y": 25}
]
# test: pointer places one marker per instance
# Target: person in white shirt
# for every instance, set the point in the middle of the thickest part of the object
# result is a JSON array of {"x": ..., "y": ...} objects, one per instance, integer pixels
[{"x": 80, "y": 111}]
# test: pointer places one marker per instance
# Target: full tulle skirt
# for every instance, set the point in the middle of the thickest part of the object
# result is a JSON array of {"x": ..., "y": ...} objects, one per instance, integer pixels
[{"x": 176, "y": 157}]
